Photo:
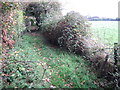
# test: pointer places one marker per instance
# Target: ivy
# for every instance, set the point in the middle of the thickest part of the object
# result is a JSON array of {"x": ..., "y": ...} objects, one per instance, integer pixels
[{"x": 8, "y": 6}]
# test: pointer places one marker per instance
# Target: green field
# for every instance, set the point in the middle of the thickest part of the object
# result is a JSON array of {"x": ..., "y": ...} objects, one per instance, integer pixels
[{"x": 105, "y": 31}]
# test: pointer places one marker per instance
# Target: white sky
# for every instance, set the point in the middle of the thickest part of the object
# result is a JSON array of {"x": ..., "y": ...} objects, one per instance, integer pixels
[{"x": 101, "y": 8}]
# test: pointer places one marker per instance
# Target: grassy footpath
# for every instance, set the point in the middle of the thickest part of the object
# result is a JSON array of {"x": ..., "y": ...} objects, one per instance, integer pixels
[{"x": 32, "y": 63}]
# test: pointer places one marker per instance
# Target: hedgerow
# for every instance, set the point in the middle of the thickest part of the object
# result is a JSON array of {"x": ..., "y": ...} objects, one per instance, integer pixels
[
  {"x": 67, "y": 30},
  {"x": 70, "y": 31},
  {"x": 40, "y": 10},
  {"x": 12, "y": 22}
]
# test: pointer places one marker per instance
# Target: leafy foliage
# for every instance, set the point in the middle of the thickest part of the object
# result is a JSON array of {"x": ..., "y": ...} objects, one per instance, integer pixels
[
  {"x": 7, "y": 6},
  {"x": 76, "y": 23},
  {"x": 12, "y": 23},
  {"x": 51, "y": 67},
  {"x": 72, "y": 33},
  {"x": 67, "y": 30},
  {"x": 40, "y": 9},
  {"x": 23, "y": 68}
]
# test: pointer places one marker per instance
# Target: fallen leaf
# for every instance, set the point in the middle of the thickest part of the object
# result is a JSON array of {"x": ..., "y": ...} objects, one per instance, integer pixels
[
  {"x": 52, "y": 86},
  {"x": 46, "y": 80},
  {"x": 82, "y": 82}
]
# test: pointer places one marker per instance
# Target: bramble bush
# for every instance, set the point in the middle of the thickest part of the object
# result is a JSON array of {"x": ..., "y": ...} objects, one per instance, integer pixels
[
  {"x": 55, "y": 28},
  {"x": 72, "y": 26},
  {"x": 65, "y": 31},
  {"x": 72, "y": 33}
]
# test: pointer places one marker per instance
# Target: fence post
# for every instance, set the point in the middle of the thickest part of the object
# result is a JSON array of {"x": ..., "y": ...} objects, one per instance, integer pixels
[{"x": 116, "y": 53}]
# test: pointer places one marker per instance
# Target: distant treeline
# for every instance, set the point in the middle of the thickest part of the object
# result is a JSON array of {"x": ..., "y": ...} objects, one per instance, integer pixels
[{"x": 96, "y": 18}]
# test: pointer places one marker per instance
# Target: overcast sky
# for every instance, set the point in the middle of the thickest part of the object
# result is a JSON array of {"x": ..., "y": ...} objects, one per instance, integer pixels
[{"x": 101, "y": 8}]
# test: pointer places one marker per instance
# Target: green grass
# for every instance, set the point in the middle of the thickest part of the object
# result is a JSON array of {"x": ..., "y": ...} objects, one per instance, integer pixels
[
  {"x": 49, "y": 66},
  {"x": 105, "y": 31}
]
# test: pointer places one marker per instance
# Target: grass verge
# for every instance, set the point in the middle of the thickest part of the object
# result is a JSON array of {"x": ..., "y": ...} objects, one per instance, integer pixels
[{"x": 34, "y": 64}]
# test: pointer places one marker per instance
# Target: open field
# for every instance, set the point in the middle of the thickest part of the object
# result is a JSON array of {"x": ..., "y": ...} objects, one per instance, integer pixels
[{"x": 105, "y": 31}]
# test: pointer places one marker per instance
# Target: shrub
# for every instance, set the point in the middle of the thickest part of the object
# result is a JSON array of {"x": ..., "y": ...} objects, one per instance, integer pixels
[
  {"x": 7, "y": 6},
  {"x": 72, "y": 32},
  {"x": 12, "y": 22},
  {"x": 73, "y": 26},
  {"x": 66, "y": 28},
  {"x": 50, "y": 28},
  {"x": 40, "y": 9},
  {"x": 75, "y": 22}
]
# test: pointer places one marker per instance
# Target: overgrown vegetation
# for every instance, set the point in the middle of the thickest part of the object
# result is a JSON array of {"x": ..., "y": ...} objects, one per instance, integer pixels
[
  {"x": 12, "y": 23},
  {"x": 31, "y": 63},
  {"x": 43, "y": 9},
  {"x": 7, "y": 6},
  {"x": 72, "y": 24},
  {"x": 71, "y": 32},
  {"x": 31, "y": 56}
]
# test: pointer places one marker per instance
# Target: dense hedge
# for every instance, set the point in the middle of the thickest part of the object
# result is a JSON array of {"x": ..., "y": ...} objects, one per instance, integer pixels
[
  {"x": 12, "y": 23},
  {"x": 64, "y": 31},
  {"x": 40, "y": 10},
  {"x": 70, "y": 31}
]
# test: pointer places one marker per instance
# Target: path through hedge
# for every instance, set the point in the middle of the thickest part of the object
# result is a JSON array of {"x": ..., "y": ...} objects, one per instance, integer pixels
[{"x": 34, "y": 63}]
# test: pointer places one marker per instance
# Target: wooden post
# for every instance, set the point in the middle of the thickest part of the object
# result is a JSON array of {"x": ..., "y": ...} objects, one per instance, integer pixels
[{"x": 116, "y": 53}]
